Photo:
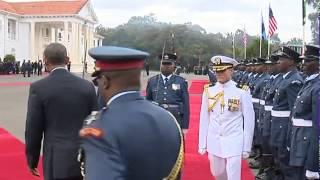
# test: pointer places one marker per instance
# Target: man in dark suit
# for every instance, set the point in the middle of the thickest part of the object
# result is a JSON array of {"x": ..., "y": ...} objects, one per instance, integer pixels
[
  {"x": 131, "y": 138},
  {"x": 57, "y": 107}
]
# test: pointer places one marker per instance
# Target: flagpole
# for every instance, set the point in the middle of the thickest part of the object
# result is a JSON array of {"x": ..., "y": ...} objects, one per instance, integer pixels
[
  {"x": 319, "y": 34},
  {"x": 303, "y": 27},
  {"x": 260, "y": 47},
  {"x": 269, "y": 33},
  {"x": 261, "y": 35},
  {"x": 245, "y": 43},
  {"x": 233, "y": 46},
  {"x": 268, "y": 46}
]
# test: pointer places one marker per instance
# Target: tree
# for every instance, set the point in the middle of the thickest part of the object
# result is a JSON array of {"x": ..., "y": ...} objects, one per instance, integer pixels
[
  {"x": 315, "y": 4},
  {"x": 191, "y": 42},
  {"x": 9, "y": 58},
  {"x": 294, "y": 41}
]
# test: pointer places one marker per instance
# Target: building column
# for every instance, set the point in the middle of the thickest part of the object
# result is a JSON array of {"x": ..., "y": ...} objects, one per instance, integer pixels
[
  {"x": 65, "y": 34},
  {"x": 73, "y": 48},
  {"x": 32, "y": 41},
  {"x": 53, "y": 34},
  {"x": 40, "y": 44},
  {"x": 80, "y": 46}
]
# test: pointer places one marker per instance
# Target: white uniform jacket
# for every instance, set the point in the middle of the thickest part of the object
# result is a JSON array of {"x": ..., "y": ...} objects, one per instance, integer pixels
[{"x": 226, "y": 131}]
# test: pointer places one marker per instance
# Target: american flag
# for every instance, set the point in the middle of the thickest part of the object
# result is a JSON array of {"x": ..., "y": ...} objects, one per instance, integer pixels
[
  {"x": 244, "y": 38},
  {"x": 272, "y": 23}
]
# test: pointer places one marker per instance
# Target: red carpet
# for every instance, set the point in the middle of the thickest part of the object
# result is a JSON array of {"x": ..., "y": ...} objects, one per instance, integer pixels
[
  {"x": 196, "y": 166},
  {"x": 15, "y": 83},
  {"x": 196, "y": 86},
  {"x": 13, "y": 165}
]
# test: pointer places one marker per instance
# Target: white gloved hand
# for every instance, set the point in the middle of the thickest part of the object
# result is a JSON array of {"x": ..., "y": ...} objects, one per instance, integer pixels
[
  {"x": 312, "y": 175},
  {"x": 202, "y": 151},
  {"x": 245, "y": 155}
]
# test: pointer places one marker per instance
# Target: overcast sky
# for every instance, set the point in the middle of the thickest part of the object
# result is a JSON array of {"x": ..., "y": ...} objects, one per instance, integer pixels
[{"x": 213, "y": 15}]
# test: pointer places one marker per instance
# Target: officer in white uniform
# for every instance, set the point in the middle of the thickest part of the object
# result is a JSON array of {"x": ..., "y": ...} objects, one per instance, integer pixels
[{"x": 226, "y": 122}]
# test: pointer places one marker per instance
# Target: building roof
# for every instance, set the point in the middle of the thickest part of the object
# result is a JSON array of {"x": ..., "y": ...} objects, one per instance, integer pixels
[
  {"x": 5, "y": 6},
  {"x": 44, "y": 7}
]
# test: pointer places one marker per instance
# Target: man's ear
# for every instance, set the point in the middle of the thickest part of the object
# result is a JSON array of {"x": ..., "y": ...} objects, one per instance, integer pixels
[
  {"x": 106, "y": 82},
  {"x": 67, "y": 59}
]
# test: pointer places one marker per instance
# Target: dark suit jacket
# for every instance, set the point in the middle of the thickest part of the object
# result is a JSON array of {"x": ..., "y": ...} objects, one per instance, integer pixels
[{"x": 57, "y": 106}]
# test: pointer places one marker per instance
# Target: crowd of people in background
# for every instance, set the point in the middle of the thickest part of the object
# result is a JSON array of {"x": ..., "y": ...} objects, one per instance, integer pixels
[{"x": 26, "y": 67}]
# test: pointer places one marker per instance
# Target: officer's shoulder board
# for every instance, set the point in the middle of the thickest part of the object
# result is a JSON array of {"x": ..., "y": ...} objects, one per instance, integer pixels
[
  {"x": 296, "y": 82},
  {"x": 89, "y": 130},
  {"x": 153, "y": 78}
]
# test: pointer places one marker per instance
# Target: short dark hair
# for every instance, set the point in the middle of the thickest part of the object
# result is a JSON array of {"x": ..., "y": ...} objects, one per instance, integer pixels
[{"x": 55, "y": 53}]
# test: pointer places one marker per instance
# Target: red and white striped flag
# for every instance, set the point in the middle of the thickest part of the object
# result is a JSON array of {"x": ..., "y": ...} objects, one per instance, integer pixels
[
  {"x": 244, "y": 38},
  {"x": 273, "y": 26}
]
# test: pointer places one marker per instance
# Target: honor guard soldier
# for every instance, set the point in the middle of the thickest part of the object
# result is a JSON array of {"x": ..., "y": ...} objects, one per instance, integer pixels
[
  {"x": 170, "y": 91},
  {"x": 283, "y": 103},
  {"x": 226, "y": 122},
  {"x": 304, "y": 147},
  {"x": 131, "y": 138},
  {"x": 259, "y": 83},
  {"x": 248, "y": 76},
  {"x": 266, "y": 100},
  {"x": 252, "y": 80},
  {"x": 212, "y": 75}
]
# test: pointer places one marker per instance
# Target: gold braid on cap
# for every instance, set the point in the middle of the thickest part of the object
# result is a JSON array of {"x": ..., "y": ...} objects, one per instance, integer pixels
[{"x": 221, "y": 68}]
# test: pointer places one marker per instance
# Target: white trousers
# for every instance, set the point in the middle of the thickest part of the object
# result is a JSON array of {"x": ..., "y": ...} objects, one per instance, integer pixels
[{"x": 225, "y": 168}]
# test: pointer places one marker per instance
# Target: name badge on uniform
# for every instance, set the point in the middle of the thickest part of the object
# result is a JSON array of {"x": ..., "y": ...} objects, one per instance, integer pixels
[
  {"x": 233, "y": 105},
  {"x": 175, "y": 86}
]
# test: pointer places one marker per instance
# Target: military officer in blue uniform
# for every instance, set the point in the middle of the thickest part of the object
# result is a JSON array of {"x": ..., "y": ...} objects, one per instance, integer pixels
[
  {"x": 131, "y": 138},
  {"x": 283, "y": 103},
  {"x": 170, "y": 91},
  {"x": 246, "y": 76},
  {"x": 266, "y": 101},
  {"x": 212, "y": 75},
  {"x": 260, "y": 82},
  {"x": 304, "y": 148}
]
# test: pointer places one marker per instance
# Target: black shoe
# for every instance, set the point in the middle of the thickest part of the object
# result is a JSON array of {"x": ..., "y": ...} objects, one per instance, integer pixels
[
  {"x": 252, "y": 154},
  {"x": 255, "y": 164}
]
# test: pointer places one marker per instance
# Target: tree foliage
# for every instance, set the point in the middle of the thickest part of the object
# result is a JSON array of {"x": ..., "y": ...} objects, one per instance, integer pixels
[
  {"x": 315, "y": 4},
  {"x": 9, "y": 58},
  {"x": 191, "y": 42}
]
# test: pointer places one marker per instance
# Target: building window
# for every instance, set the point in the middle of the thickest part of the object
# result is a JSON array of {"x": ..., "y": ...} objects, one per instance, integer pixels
[
  {"x": 94, "y": 43},
  {"x": 68, "y": 37},
  {"x": 12, "y": 29},
  {"x": 0, "y": 25},
  {"x": 59, "y": 36},
  {"x": 13, "y": 51},
  {"x": 45, "y": 32}
]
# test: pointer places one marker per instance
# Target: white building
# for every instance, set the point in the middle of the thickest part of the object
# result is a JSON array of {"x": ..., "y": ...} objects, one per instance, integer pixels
[{"x": 26, "y": 28}]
